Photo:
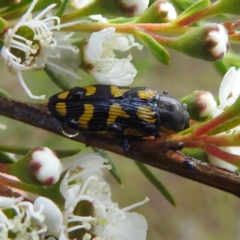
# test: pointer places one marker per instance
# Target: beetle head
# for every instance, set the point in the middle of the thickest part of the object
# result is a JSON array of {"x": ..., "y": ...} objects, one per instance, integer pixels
[{"x": 173, "y": 114}]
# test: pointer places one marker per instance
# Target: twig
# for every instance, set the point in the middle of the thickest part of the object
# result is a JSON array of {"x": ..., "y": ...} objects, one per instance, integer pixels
[{"x": 158, "y": 153}]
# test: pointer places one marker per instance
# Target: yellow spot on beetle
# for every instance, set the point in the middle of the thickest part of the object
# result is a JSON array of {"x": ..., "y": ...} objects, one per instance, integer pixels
[
  {"x": 147, "y": 114},
  {"x": 115, "y": 111},
  {"x": 61, "y": 108},
  {"x": 63, "y": 95},
  {"x": 146, "y": 94},
  {"x": 117, "y": 92},
  {"x": 90, "y": 90},
  {"x": 86, "y": 116}
]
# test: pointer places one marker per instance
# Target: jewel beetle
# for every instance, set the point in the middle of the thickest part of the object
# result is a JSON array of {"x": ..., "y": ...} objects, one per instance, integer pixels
[{"x": 136, "y": 111}]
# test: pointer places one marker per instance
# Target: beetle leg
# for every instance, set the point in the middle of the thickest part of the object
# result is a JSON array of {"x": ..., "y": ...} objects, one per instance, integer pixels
[
  {"x": 189, "y": 166},
  {"x": 127, "y": 143},
  {"x": 126, "y": 146}
]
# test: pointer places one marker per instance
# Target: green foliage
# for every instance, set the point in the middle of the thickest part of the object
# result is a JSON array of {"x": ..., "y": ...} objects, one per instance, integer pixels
[
  {"x": 158, "y": 51},
  {"x": 153, "y": 179}
]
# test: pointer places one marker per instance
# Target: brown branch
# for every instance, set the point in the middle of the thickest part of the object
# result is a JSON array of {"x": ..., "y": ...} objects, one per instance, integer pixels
[{"x": 158, "y": 153}]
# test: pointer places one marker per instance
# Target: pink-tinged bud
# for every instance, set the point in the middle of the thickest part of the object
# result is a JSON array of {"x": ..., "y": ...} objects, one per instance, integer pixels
[
  {"x": 159, "y": 12},
  {"x": 200, "y": 104},
  {"x": 45, "y": 166},
  {"x": 209, "y": 43},
  {"x": 167, "y": 11},
  {"x": 134, "y": 7},
  {"x": 217, "y": 39}
]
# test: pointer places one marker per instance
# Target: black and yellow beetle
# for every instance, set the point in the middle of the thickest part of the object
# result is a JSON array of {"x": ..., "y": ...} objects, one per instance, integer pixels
[{"x": 137, "y": 111}]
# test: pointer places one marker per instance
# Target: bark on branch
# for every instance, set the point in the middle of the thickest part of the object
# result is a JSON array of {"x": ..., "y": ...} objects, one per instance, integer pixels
[{"x": 158, "y": 153}]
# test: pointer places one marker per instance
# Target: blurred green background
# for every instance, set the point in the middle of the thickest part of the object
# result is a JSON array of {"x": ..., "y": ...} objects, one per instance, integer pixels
[{"x": 202, "y": 213}]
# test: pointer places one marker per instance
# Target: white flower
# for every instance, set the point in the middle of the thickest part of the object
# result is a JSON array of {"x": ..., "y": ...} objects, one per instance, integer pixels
[
  {"x": 121, "y": 225},
  {"x": 45, "y": 165},
  {"x": 229, "y": 90},
  {"x": 88, "y": 207},
  {"x": 26, "y": 223},
  {"x": 139, "y": 6},
  {"x": 84, "y": 182},
  {"x": 100, "y": 58},
  {"x": 217, "y": 40},
  {"x": 167, "y": 9},
  {"x": 228, "y": 93},
  {"x": 40, "y": 47}
]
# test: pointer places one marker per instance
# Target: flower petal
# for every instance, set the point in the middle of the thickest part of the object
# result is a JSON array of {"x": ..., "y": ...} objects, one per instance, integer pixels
[
  {"x": 121, "y": 73},
  {"x": 94, "y": 48},
  {"x": 227, "y": 84},
  {"x": 132, "y": 227},
  {"x": 7, "y": 201},
  {"x": 53, "y": 216},
  {"x": 236, "y": 86}
]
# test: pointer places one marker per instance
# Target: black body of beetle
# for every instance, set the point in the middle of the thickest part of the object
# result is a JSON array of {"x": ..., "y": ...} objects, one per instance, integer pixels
[{"x": 138, "y": 111}]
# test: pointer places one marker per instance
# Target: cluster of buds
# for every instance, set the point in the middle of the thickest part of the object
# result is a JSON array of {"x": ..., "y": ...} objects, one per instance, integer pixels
[
  {"x": 219, "y": 135},
  {"x": 41, "y": 41}
]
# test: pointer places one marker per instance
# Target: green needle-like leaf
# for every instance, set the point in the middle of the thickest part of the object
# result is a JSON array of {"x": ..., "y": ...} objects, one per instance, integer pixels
[
  {"x": 67, "y": 153},
  {"x": 156, "y": 49},
  {"x": 161, "y": 188},
  {"x": 62, "y": 8},
  {"x": 222, "y": 66},
  {"x": 12, "y": 8},
  {"x": 225, "y": 127},
  {"x": 121, "y": 20},
  {"x": 3, "y": 93},
  {"x": 57, "y": 78},
  {"x": 3, "y": 25},
  {"x": 24, "y": 151},
  {"x": 5, "y": 158},
  {"x": 196, "y": 7}
]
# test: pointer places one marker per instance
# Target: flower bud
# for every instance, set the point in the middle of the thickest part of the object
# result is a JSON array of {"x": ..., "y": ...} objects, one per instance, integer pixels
[
  {"x": 45, "y": 165},
  {"x": 135, "y": 7},
  {"x": 167, "y": 11},
  {"x": 159, "y": 12},
  {"x": 200, "y": 104},
  {"x": 113, "y": 8},
  {"x": 209, "y": 43}
]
